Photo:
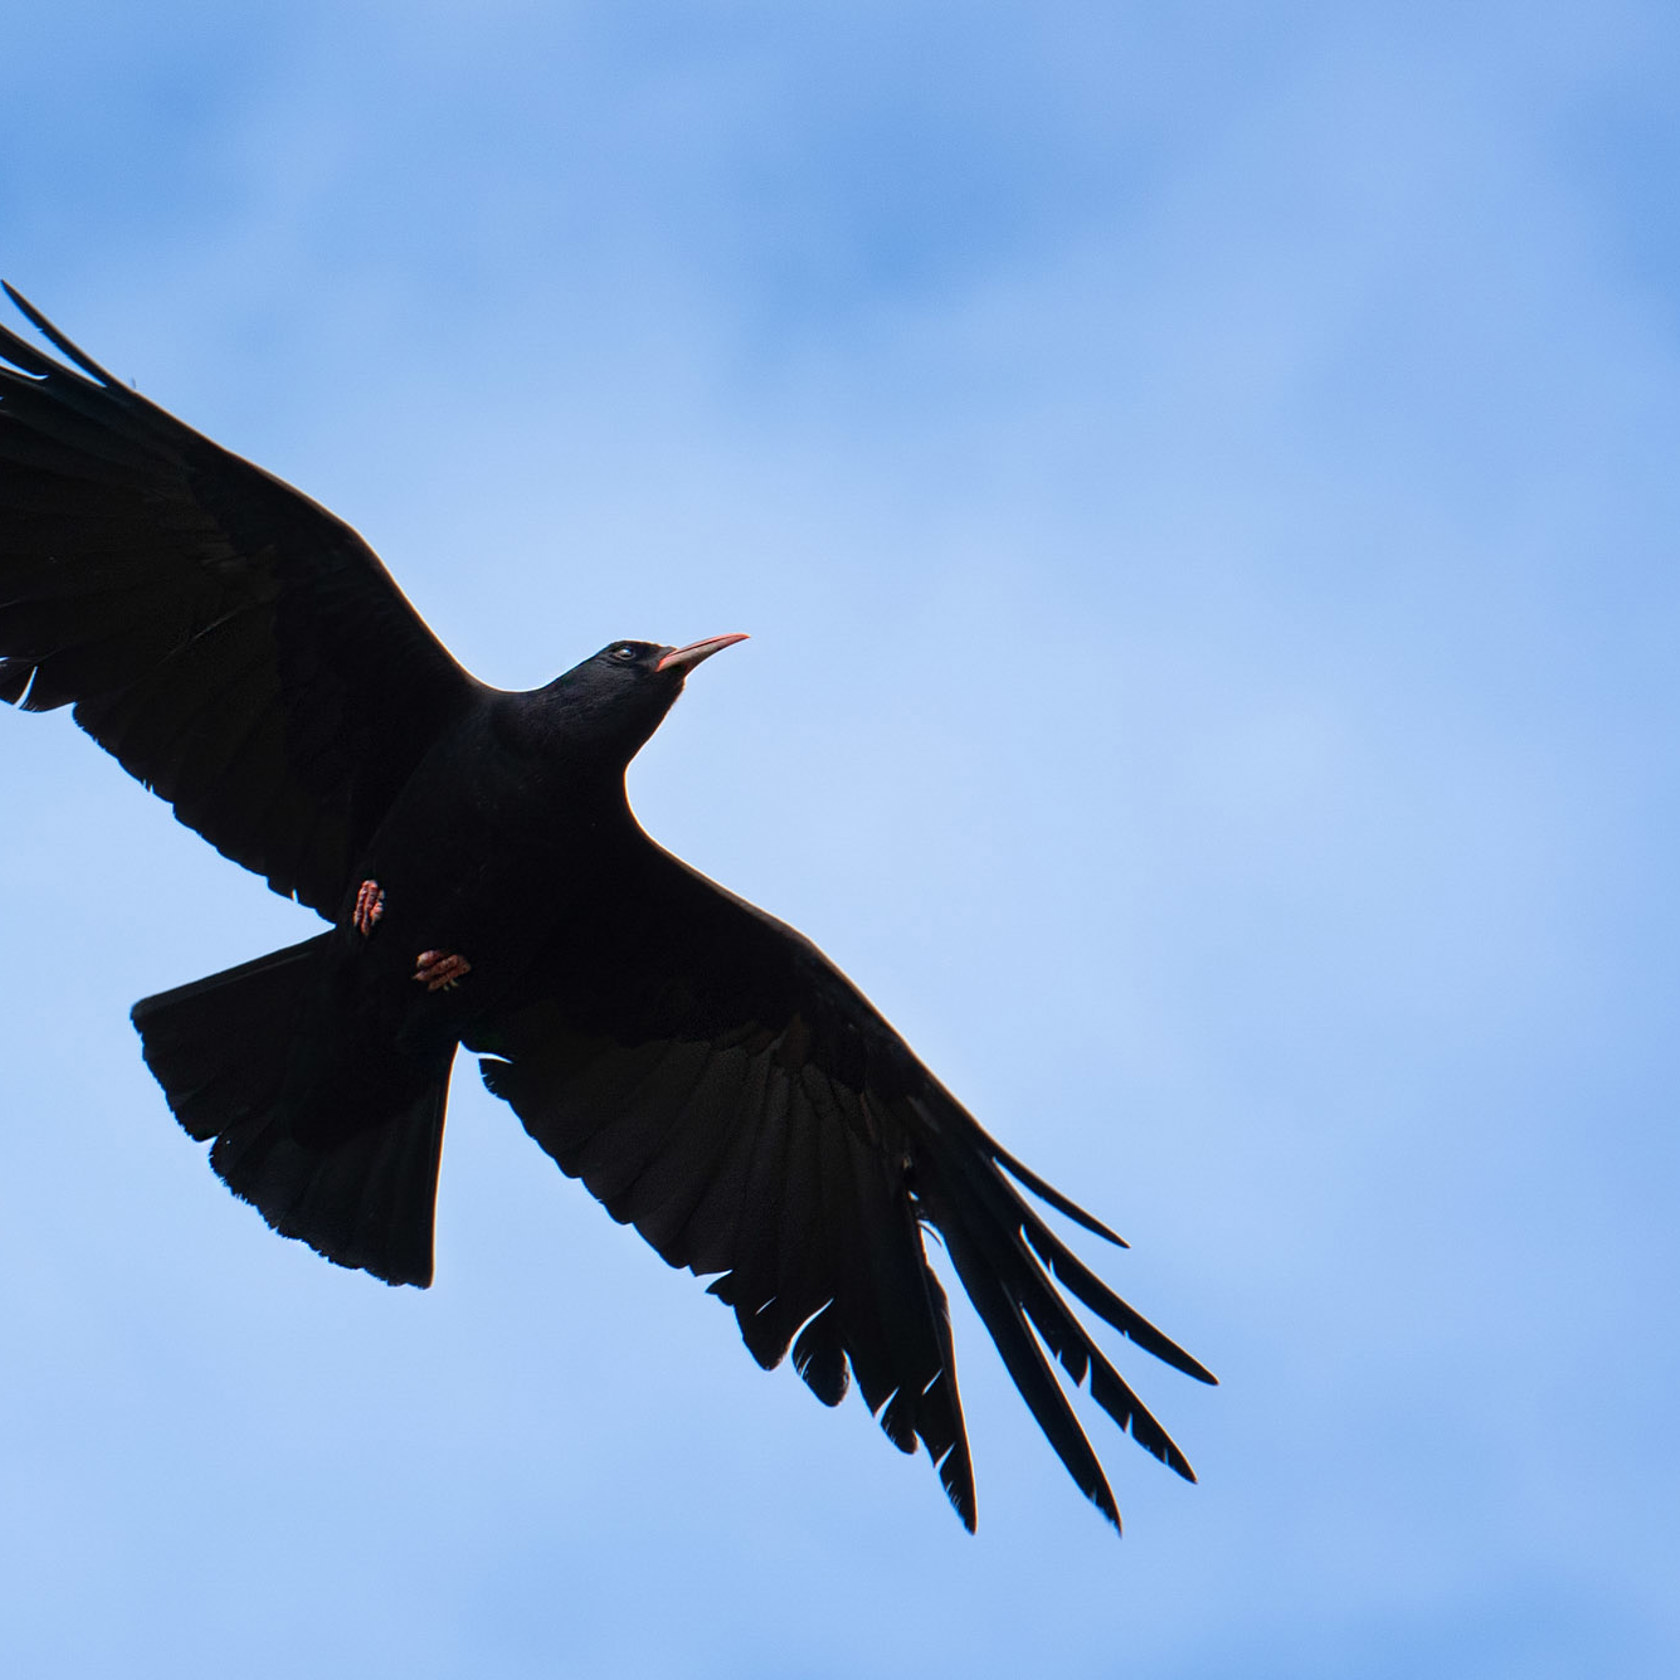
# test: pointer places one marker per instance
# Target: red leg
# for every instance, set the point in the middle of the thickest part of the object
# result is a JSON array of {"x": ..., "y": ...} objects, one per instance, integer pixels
[
  {"x": 370, "y": 906},
  {"x": 440, "y": 970}
]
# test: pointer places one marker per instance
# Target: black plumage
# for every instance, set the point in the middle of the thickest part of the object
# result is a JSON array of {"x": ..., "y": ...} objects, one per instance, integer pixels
[{"x": 710, "y": 1076}]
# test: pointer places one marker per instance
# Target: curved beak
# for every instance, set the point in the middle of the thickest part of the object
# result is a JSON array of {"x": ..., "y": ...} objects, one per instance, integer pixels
[{"x": 686, "y": 658}]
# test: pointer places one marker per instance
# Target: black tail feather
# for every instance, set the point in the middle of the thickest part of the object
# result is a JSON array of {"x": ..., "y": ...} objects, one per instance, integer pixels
[{"x": 235, "y": 1057}]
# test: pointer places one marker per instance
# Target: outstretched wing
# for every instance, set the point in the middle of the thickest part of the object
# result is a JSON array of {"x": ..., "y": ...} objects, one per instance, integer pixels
[
  {"x": 718, "y": 1083},
  {"x": 238, "y": 648}
]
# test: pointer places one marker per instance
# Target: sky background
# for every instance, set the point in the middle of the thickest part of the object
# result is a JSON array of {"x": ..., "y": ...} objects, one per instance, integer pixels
[{"x": 1202, "y": 483}]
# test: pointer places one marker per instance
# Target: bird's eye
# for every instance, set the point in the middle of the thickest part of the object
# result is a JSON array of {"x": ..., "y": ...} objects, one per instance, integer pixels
[{"x": 624, "y": 653}]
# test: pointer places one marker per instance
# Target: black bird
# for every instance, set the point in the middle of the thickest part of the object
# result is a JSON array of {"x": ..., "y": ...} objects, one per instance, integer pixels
[{"x": 705, "y": 1070}]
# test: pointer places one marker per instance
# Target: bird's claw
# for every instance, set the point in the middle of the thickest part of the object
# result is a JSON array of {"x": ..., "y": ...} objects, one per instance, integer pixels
[
  {"x": 370, "y": 906},
  {"x": 441, "y": 970}
]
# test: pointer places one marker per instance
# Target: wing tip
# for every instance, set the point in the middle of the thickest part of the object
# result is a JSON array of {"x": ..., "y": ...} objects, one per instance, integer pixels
[
  {"x": 1049, "y": 1194},
  {"x": 56, "y": 338},
  {"x": 955, "y": 1469}
]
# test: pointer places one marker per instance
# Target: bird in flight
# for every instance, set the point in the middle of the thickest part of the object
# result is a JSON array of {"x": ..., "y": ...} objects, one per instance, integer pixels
[{"x": 708, "y": 1073}]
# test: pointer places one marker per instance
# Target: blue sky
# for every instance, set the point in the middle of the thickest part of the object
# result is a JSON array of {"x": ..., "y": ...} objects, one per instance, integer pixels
[{"x": 1201, "y": 483}]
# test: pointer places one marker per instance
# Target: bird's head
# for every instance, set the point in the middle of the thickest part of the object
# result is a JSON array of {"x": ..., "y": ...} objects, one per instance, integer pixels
[{"x": 615, "y": 700}]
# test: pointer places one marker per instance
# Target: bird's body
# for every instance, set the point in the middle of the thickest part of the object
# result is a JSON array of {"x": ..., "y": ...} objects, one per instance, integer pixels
[
  {"x": 494, "y": 808},
  {"x": 703, "y": 1068}
]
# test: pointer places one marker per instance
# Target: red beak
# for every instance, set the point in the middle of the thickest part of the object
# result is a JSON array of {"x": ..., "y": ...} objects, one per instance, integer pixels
[{"x": 686, "y": 658}]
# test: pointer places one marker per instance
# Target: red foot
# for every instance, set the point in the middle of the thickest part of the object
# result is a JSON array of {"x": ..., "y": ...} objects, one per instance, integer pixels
[
  {"x": 440, "y": 970},
  {"x": 370, "y": 906}
]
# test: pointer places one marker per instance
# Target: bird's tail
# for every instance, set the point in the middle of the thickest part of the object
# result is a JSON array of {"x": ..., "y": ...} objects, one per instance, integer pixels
[{"x": 335, "y": 1145}]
